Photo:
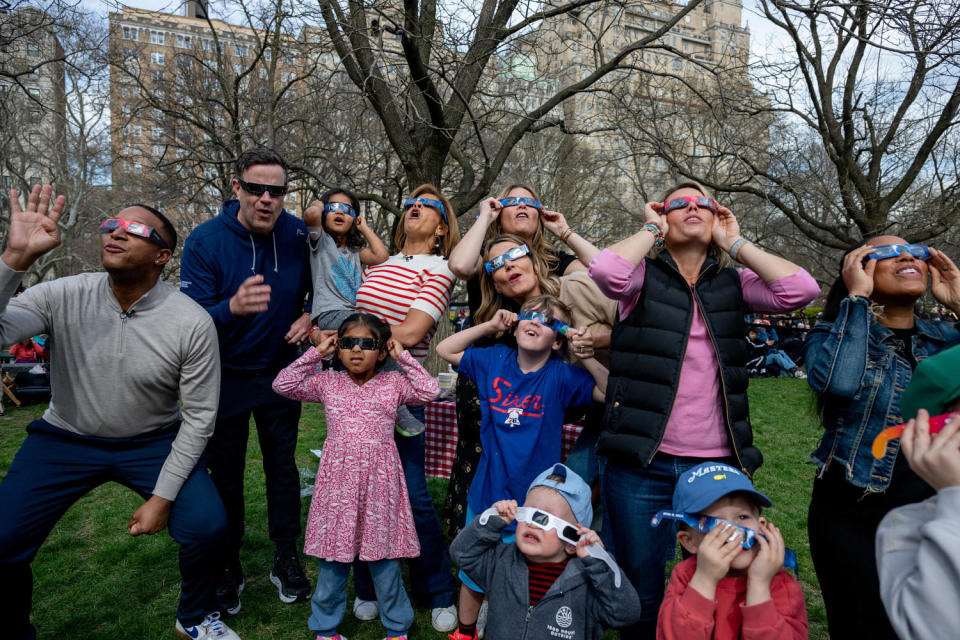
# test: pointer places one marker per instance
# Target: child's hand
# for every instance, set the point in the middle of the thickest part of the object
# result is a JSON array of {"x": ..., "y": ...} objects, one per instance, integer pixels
[
  {"x": 507, "y": 509},
  {"x": 581, "y": 343},
  {"x": 313, "y": 215},
  {"x": 716, "y": 552},
  {"x": 502, "y": 320},
  {"x": 327, "y": 344},
  {"x": 317, "y": 336},
  {"x": 587, "y": 538},
  {"x": 394, "y": 348},
  {"x": 770, "y": 558}
]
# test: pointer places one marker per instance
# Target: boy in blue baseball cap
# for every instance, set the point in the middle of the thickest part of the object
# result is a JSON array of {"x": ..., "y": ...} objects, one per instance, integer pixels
[
  {"x": 573, "y": 587},
  {"x": 734, "y": 585}
]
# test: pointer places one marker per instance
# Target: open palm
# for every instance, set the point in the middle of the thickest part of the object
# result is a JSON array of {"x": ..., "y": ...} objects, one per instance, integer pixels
[{"x": 33, "y": 231}]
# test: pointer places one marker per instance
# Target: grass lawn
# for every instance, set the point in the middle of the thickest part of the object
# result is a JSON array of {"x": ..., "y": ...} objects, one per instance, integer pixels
[{"x": 93, "y": 581}]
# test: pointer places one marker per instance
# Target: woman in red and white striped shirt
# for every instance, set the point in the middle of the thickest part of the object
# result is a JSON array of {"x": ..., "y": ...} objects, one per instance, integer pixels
[{"x": 411, "y": 291}]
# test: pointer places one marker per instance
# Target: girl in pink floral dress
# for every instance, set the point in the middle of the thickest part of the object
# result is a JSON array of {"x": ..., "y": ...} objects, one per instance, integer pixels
[{"x": 360, "y": 507}]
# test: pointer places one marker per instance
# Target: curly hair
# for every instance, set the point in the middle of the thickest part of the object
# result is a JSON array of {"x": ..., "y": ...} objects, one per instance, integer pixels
[{"x": 492, "y": 299}]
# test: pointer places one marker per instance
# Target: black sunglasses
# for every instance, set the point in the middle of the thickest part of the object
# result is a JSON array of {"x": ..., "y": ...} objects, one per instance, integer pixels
[
  {"x": 365, "y": 344},
  {"x": 257, "y": 189}
]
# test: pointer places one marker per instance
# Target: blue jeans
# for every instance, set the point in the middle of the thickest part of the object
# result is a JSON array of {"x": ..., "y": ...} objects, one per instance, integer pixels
[
  {"x": 55, "y": 468},
  {"x": 782, "y": 360},
  {"x": 632, "y": 495},
  {"x": 430, "y": 577},
  {"x": 330, "y": 599}
]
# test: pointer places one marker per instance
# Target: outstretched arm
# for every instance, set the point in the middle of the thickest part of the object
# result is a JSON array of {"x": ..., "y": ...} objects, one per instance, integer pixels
[{"x": 452, "y": 348}]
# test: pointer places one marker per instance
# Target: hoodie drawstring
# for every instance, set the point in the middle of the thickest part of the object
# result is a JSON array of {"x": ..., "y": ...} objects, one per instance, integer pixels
[
  {"x": 253, "y": 263},
  {"x": 273, "y": 236}
]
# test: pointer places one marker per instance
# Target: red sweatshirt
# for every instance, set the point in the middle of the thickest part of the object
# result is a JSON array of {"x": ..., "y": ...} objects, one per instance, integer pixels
[{"x": 686, "y": 615}]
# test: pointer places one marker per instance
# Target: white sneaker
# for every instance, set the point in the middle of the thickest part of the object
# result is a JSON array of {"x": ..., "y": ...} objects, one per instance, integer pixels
[
  {"x": 211, "y": 627},
  {"x": 365, "y": 609},
  {"x": 444, "y": 618},
  {"x": 482, "y": 620}
]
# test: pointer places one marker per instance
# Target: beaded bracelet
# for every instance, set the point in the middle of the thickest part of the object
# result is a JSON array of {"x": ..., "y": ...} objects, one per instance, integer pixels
[{"x": 657, "y": 233}]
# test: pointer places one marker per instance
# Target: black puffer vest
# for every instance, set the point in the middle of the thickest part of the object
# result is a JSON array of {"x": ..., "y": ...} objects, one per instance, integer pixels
[{"x": 648, "y": 347}]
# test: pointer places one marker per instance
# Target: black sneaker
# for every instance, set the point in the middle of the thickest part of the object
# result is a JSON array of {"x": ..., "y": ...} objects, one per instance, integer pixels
[
  {"x": 289, "y": 578},
  {"x": 229, "y": 588}
]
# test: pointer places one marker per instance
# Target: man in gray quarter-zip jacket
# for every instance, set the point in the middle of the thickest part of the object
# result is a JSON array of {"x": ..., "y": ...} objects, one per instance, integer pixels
[{"x": 125, "y": 350}]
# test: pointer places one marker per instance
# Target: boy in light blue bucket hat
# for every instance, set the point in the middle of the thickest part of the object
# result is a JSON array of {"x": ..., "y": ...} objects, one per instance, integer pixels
[{"x": 574, "y": 588}]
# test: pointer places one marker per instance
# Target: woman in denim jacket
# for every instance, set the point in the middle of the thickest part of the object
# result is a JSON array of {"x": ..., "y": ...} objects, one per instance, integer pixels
[{"x": 859, "y": 360}]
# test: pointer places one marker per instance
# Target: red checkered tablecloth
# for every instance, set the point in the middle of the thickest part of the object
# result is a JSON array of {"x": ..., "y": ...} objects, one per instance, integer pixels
[{"x": 442, "y": 438}]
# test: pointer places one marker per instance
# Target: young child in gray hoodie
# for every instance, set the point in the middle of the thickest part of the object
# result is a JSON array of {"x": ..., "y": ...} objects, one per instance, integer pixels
[{"x": 554, "y": 580}]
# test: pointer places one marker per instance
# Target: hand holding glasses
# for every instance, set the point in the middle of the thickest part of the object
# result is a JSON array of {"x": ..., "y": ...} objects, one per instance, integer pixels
[{"x": 566, "y": 531}]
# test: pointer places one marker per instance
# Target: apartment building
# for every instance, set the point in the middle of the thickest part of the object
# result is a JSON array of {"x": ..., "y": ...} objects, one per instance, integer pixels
[
  {"x": 32, "y": 100},
  {"x": 188, "y": 91}
]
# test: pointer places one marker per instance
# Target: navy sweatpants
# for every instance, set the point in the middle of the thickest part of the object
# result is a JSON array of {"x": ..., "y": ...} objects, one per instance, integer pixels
[{"x": 55, "y": 468}]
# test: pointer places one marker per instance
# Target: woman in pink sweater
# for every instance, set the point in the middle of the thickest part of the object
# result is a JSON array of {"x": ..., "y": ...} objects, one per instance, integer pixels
[{"x": 678, "y": 381}]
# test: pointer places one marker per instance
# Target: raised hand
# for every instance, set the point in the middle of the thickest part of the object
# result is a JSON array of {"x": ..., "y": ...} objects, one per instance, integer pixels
[
  {"x": 726, "y": 229},
  {"x": 856, "y": 275},
  {"x": 507, "y": 509},
  {"x": 554, "y": 222},
  {"x": 394, "y": 348},
  {"x": 326, "y": 342},
  {"x": 587, "y": 537},
  {"x": 251, "y": 297},
  {"x": 769, "y": 559},
  {"x": 318, "y": 336},
  {"x": 714, "y": 555},
  {"x": 653, "y": 213},
  {"x": 313, "y": 215},
  {"x": 489, "y": 210},
  {"x": 935, "y": 459},
  {"x": 502, "y": 320},
  {"x": 581, "y": 343},
  {"x": 33, "y": 231},
  {"x": 944, "y": 279}
]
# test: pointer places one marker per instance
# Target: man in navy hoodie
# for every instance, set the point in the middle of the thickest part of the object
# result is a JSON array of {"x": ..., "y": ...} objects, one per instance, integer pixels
[{"x": 249, "y": 268}]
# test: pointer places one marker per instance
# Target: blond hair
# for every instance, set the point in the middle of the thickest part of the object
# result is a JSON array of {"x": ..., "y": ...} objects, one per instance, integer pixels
[
  {"x": 712, "y": 249},
  {"x": 451, "y": 235},
  {"x": 538, "y": 243},
  {"x": 492, "y": 300}
]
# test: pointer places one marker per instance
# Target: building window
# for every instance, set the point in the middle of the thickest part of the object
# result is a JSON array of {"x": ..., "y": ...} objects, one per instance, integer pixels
[
  {"x": 137, "y": 131},
  {"x": 156, "y": 151},
  {"x": 137, "y": 167},
  {"x": 241, "y": 50},
  {"x": 129, "y": 33},
  {"x": 237, "y": 69},
  {"x": 156, "y": 76},
  {"x": 183, "y": 41},
  {"x": 131, "y": 54},
  {"x": 156, "y": 133},
  {"x": 126, "y": 145},
  {"x": 156, "y": 57},
  {"x": 156, "y": 37},
  {"x": 267, "y": 54},
  {"x": 126, "y": 132},
  {"x": 157, "y": 114},
  {"x": 137, "y": 150},
  {"x": 33, "y": 50},
  {"x": 126, "y": 109}
]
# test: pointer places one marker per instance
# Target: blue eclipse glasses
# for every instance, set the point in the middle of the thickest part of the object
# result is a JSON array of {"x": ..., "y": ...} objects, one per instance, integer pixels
[
  {"x": 705, "y": 524},
  {"x": 427, "y": 202},
  {"x": 511, "y": 255},
  {"x": 512, "y": 202},
  {"x": 339, "y": 207},
  {"x": 548, "y": 321},
  {"x": 884, "y": 251}
]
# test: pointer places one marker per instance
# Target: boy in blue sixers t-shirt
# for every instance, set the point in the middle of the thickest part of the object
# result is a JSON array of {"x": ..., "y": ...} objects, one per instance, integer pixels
[{"x": 524, "y": 393}]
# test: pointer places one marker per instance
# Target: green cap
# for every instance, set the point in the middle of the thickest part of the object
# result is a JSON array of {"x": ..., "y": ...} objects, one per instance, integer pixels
[{"x": 934, "y": 386}]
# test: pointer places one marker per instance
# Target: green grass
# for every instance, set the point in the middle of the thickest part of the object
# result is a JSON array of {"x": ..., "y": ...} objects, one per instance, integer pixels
[{"x": 93, "y": 581}]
